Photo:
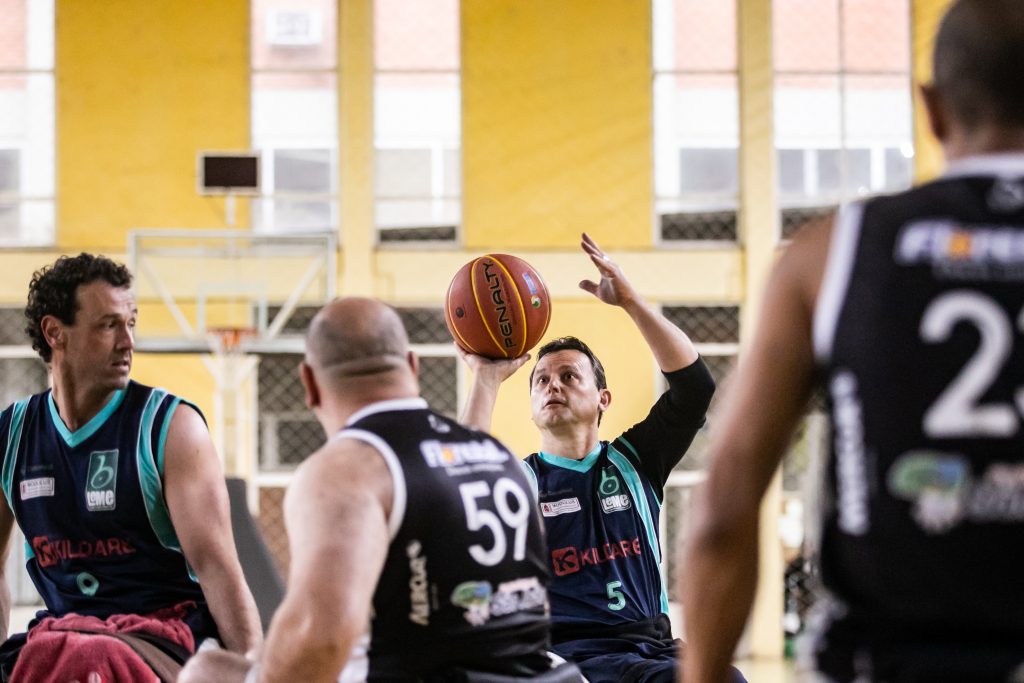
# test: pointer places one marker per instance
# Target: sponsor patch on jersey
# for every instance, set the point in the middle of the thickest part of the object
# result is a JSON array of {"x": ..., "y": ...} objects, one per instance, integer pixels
[
  {"x": 613, "y": 499},
  {"x": 454, "y": 454},
  {"x": 36, "y": 488},
  {"x": 101, "y": 481},
  {"x": 570, "y": 560},
  {"x": 560, "y": 507},
  {"x": 944, "y": 492},
  {"x": 419, "y": 586},
  {"x": 958, "y": 251},
  {"x": 481, "y": 602}
]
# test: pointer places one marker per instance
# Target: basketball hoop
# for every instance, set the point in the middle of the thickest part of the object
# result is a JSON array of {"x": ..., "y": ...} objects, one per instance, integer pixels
[{"x": 228, "y": 340}]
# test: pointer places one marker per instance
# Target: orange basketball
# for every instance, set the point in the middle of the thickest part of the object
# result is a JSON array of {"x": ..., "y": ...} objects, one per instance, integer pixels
[{"x": 497, "y": 306}]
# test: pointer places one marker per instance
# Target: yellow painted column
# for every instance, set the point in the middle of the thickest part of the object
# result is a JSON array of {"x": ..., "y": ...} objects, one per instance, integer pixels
[
  {"x": 556, "y": 111},
  {"x": 759, "y": 230},
  {"x": 925, "y": 18},
  {"x": 356, "y": 158},
  {"x": 142, "y": 87}
]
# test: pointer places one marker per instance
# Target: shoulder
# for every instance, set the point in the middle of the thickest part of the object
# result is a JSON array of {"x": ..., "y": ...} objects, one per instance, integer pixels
[{"x": 344, "y": 465}]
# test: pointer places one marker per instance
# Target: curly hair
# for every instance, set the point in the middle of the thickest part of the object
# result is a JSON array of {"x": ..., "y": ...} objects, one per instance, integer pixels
[{"x": 54, "y": 291}]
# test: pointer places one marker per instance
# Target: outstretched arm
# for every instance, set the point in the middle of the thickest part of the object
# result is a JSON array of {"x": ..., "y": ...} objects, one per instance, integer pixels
[
  {"x": 672, "y": 349},
  {"x": 766, "y": 399},
  {"x": 197, "y": 500},
  {"x": 340, "y": 500},
  {"x": 483, "y": 393}
]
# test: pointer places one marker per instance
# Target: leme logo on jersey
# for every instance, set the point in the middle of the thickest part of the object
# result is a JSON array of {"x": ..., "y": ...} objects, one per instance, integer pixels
[
  {"x": 553, "y": 508},
  {"x": 101, "y": 481},
  {"x": 983, "y": 250},
  {"x": 613, "y": 499},
  {"x": 565, "y": 561},
  {"x": 457, "y": 453}
]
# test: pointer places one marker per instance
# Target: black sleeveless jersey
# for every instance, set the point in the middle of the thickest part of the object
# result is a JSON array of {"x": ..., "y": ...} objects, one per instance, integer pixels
[
  {"x": 464, "y": 583},
  {"x": 919, "y": 334}
]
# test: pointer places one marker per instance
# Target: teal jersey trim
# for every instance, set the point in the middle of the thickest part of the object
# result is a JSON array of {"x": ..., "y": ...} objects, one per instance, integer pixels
[
  {"x": 29, "y": 553},
  {"x": 149, "y": 473},
  {"x": 636, "y": 489},
  {"x": 583, "y": 465},
  {"x": 72, "y": 439},
  {"x": 632, "y": 449},
  {"x": 532, "y": 476},
  {"x": 163, "y": 436},
  {"x": 13, "y": 444}
]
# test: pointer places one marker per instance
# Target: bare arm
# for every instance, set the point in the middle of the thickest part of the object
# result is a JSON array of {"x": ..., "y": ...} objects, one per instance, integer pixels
[
  {"x": 672, "y": 349},
  {"x": 483, "y": 393},
  {"x": 339, "y": 501},
  {"x": 6, "y": 527},
  {"x": 766, "y": 399},
  {"x": 197, "y": 500}
]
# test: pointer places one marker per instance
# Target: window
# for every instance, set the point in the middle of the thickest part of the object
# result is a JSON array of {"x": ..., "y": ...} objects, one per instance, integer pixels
[
  {"x": 295, "y": 114},
  {"x": 417, "y": 124},
  {"x": 715, "y": 331},
  {"x": 843, "y": 110},
  {"x": 27, "y": 159},
  {"x": 696, "y": 119}
]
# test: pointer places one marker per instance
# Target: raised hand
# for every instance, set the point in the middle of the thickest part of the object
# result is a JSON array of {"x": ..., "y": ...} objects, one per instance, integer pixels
[
  {"x": 489, "y": 370},
  {"x": 613, "y": 288}
]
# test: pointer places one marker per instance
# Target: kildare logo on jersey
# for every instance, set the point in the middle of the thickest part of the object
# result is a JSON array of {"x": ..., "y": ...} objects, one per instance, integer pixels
[
  {"x": 944, "y": 492},
  {"x": 613, "y": 498},
  {"x": 101, "y": 481},
  {"x": 565, "y": 561}
]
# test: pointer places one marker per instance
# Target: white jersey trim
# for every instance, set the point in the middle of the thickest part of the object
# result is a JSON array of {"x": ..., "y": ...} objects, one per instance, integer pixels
[
  {"x": 842, "y": 251},
  {"x": 387, "y": 406},
  {"x": 357, "y": 669},
  {"x": 1008, "y": 165},
  {"x": 400, "y": 495}
]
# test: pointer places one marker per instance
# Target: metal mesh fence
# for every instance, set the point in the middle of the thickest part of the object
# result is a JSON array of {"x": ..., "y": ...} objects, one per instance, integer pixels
[
  {"x": 794, "y": 218},
  {"x": 288, "y": 432},
  {"x": 706, "y": 324},
  {"x": 699, "y": 225}
]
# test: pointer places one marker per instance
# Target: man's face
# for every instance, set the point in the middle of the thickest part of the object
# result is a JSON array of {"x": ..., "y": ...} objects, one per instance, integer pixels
[
  {"x": 100, "y": 343},
  {"x": 564, "y": 391}
]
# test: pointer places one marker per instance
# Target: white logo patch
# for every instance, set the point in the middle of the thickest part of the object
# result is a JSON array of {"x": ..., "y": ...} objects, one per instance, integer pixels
[
  {"x": 36, "y": 488},
  {"x": 560, "y": 507}
]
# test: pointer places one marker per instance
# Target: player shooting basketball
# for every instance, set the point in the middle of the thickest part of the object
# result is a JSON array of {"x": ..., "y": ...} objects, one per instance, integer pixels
[{"x": 599, "y": 499}]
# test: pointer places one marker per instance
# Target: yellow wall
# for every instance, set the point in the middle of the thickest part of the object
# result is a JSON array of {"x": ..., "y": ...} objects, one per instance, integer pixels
[
  {"x": 556, "y": 107},
  {"x": 142, "y": 87},
  {"x": 925, "y": 17}
]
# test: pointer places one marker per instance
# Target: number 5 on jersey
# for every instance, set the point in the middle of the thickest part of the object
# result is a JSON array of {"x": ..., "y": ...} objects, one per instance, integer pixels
[{"x": 477, "y": 518}]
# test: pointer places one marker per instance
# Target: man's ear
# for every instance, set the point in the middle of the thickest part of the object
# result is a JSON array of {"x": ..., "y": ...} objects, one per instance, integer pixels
[
  {"x": 414, "y": 362},
  {"x": 604, "y": 399},
  {"x": 309, "y": 386},
  {"x": 938, "y": 119},
  {"x": 53, "y": 331}
]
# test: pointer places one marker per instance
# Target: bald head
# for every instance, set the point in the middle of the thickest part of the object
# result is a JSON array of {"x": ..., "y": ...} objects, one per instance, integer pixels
[
  {"x": 355, "y": 337},
  {"x": 979, "y": 62}
]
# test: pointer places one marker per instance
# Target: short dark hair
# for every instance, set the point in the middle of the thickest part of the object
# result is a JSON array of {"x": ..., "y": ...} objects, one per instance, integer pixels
[
  {"x": 979, "y": 62},
  {"x": 572, "y": 344},
  {"x": 54, "y": 291}
]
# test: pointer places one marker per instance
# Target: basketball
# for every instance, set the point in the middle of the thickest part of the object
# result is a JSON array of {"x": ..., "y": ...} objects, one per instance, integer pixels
[{"x": 497, "y": 306}]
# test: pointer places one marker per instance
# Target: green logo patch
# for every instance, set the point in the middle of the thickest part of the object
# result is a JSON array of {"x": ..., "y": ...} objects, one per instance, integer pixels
[{"x": 101, "y": 481}]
